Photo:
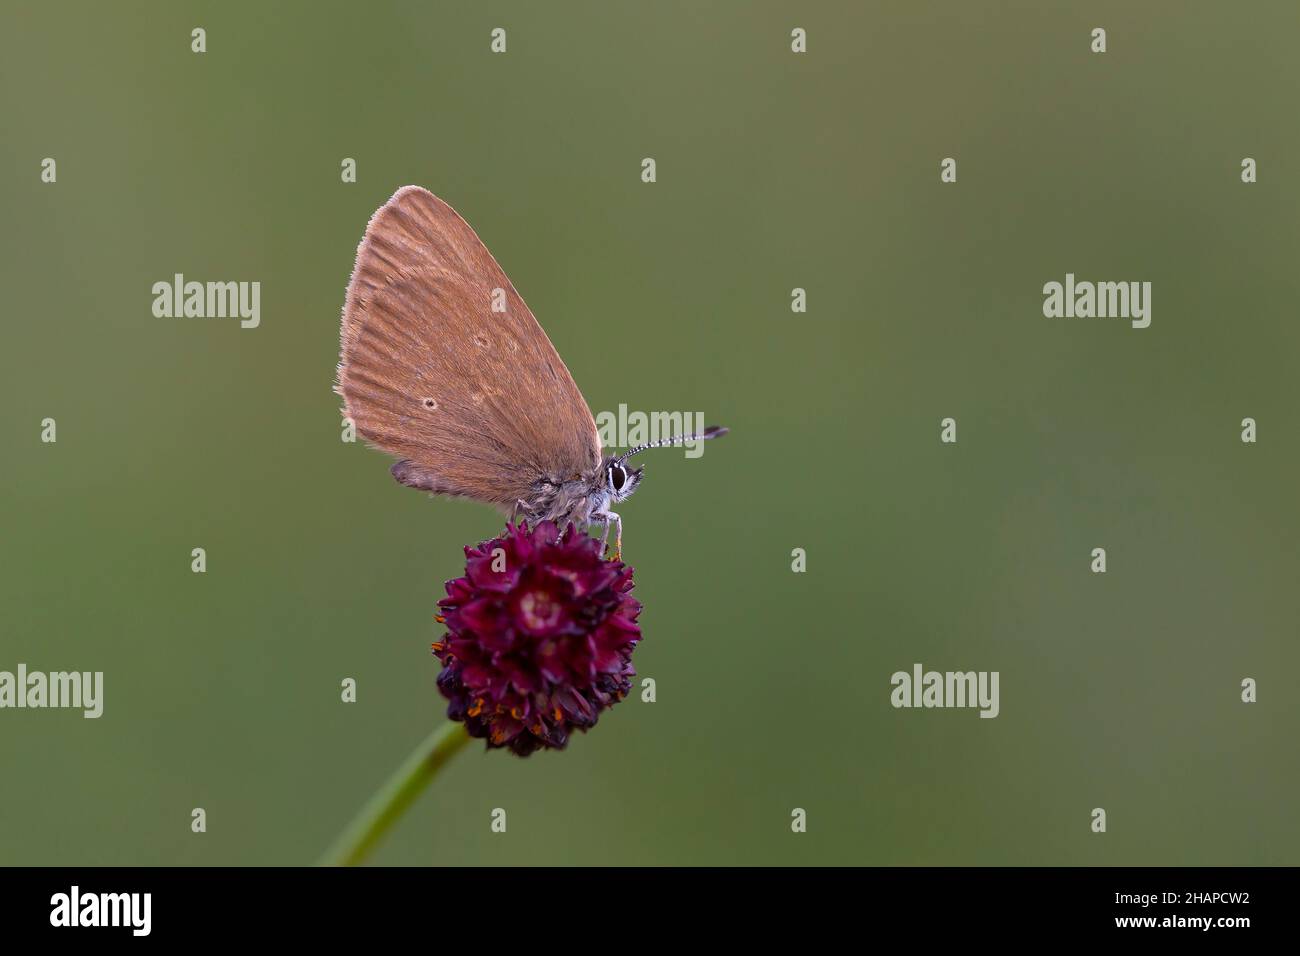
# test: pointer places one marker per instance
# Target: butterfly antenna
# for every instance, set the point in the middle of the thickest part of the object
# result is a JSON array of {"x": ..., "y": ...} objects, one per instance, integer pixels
[{"x": 712, "y": 431}]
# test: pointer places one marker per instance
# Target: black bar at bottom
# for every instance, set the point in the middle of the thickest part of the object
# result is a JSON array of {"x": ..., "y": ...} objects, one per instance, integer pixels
[{"x": 235, "y": 905}]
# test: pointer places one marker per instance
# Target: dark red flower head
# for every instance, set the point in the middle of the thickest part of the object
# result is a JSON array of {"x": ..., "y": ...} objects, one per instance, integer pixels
[{"x": 540, "y": 636}]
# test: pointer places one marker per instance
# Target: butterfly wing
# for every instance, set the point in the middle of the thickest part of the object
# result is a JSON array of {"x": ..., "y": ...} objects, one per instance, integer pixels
[{"x": 477, "y": 402}]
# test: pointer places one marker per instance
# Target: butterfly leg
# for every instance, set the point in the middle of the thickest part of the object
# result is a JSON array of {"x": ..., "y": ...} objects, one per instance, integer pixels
[
  {"x": 520, "y": 505},
  {"x": 608, "y": 518}
]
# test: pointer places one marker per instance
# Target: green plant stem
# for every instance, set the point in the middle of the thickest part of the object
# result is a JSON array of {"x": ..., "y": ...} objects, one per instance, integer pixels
[{"x": 390, "y": 801}]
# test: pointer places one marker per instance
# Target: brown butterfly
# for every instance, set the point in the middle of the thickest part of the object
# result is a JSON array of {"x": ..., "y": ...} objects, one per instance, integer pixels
[{"x": 443, "y": 365}]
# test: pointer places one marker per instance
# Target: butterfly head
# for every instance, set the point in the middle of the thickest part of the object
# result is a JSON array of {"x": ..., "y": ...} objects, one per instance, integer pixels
[{"x": 620, "y": 480}]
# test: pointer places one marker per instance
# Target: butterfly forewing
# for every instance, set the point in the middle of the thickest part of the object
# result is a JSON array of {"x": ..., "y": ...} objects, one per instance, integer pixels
[{"x": 477, "y": 401}]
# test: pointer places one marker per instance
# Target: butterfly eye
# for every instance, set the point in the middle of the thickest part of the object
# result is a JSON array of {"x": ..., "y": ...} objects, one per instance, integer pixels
[{"x": 617, "y": 476}]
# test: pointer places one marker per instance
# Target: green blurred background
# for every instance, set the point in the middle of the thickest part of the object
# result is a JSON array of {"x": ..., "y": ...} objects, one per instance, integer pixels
[{"x": 775, "y": 171}]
